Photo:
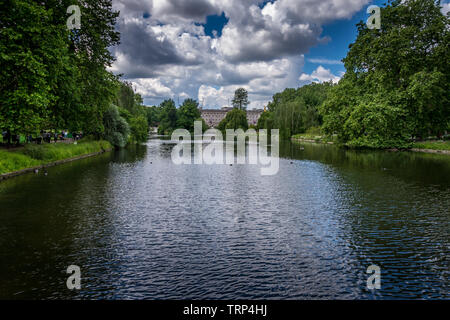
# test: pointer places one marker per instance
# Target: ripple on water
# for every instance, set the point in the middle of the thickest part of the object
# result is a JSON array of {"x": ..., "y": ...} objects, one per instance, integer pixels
[{"x": 142, "y": 228}]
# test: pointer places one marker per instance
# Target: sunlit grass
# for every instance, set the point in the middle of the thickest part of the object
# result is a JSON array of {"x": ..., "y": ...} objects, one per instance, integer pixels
[
  {"x": 14, "y": 161},
  {"x": 314, "y": 137},
  {"x": 433, "y": 145},
  {"x": 34, "y": 155}
]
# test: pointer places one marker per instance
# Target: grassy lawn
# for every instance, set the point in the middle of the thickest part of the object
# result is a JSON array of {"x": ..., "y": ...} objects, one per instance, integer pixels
[
  {"x": 314, "y": 137},
  {"x": 34, "y": 155},
  {"x": 433, "y": 145}
]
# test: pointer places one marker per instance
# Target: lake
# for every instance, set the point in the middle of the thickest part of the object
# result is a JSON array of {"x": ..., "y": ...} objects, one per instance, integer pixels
[{"x": 140, "y": 227}]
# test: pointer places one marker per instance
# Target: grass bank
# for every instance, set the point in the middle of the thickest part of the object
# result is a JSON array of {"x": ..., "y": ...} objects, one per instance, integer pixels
[
  {"x": 308, "y": 137},
  {"x": 433, "y": 145},
  {"x": 38, "y": 155},
  {"x": 425, "y": 146}
]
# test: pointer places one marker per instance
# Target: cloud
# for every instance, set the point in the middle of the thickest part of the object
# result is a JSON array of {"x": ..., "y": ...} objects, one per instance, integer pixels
[
  {"x": 320, "y": 75},
  {"x": 445, "y": 8},
  {"x": 165, "y": 52},
  {"x": 152, "y": 88},
  {"x": 262, "y": 38},
  {"x": 191, "y": 10},
  {"x": 325, "y": 61}
]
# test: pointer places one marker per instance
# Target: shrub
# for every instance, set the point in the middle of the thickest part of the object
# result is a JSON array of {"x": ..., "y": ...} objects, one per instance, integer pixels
[{"x": 117, "y": 129}]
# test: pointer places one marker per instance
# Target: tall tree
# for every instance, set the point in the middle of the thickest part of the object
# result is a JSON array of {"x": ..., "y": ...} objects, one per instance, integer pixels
[
  {"x": 295, "y": 110},
  {"x": 51, "y": 77},
  {"x": 33, "y": 57},
  {"x": 235, "y": 119},
  {"x": 168, "y": 117},
  {"x": 91, "y": 44},
  {"x": 397, "y": 81},
  {"x": 240, "y": 100},
  {"x": 187, "y": 114}
]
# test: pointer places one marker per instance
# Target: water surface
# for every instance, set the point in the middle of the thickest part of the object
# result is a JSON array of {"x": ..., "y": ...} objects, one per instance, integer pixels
[{"x": 141, "y": 227}]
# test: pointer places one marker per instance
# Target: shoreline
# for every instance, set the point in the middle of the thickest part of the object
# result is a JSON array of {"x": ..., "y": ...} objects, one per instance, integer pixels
[
  {"x": 417, "y": 150},
  {"x": 9, "y": 175},
  {"x": 312, "y": 141}
]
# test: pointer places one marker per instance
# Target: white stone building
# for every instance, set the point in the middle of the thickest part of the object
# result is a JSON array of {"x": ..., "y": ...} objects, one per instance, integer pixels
[{"x": 213, "y": 117}]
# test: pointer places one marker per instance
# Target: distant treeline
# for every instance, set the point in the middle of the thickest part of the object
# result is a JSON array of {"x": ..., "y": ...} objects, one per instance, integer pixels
[
  {"x": 168, "y": 118},
  {"x": 395, "y": 89},
  {"x": 52, "y": 78},
  {"x": 295, "y": 111}
]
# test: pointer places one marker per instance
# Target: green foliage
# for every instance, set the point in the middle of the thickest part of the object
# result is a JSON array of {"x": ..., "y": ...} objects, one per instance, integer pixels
[
  {"x": 168, "y": 117},
  {"x": 139, "y": 129},
  {"x": 30, "y": 48},
  {"x": 127, "y": 99},
  {"x": 51, "y": 77},
  {"x": 433, "y": 145},
  {"x": 314, "y": 131},
  {"x": 91, "y": 44},
  {"x": 12, "y": 161},
  {"x": 35, "y": 155},
  {"x": 376, "y": 122},
  {"x": 240, "y": 100},
  {"x": 131, "y": 109},
  {"x": 59, "y": 151},
  {"x": 117, "y": 129},
  {"x": 187, "y": 114},
  {"x": 235, "y": 119},
  {"x": 397, "y": 81},
  {"x": 205, "y": 126},
  {"x": 153, "y": 115},
  {"x": 294, "y": 111},
  {"x": 266, "y": 121}
]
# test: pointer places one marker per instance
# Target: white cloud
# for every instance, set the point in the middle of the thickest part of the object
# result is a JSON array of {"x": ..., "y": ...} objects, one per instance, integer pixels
[
  {"x": 152, "y": 88},
  {"x": 320, "y": 75},
  {"x": 167, "y": 54},
  {"x": 445, "y": 8},
  {"x": 325, "y": 61}
]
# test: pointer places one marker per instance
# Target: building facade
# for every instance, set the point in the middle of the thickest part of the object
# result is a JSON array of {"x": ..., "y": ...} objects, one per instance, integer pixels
[
  {"x": 213, "y": 117},
  {"x": 253, "y": 116}
]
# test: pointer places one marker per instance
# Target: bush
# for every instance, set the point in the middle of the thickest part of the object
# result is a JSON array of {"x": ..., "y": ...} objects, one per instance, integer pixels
[
  {"x": 139, "y": 129},
  {"x": 314, "y": 131},
  {"x": 117, "y": 129},
  {"x": 235, "y": 119}
]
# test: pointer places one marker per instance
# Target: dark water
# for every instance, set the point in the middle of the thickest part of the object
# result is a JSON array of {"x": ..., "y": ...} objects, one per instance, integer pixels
[{"x": 140, "y": 227}]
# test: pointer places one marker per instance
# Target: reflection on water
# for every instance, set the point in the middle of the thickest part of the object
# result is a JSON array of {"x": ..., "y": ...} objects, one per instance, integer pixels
[{"x": 141, "y": 227}]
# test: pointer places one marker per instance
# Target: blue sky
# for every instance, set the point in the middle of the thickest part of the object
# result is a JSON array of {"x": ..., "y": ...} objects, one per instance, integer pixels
[
  {"x": 342, "y": 34},
  {"x": 206, "y": 49}
]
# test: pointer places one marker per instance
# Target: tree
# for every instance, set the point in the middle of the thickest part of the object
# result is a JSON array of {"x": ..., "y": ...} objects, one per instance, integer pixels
[
  {"x": 33, "y": 53},
  {"x": 139, "y": 129},
  {"x": 295, "y": 110},
  {"x": 117, "y": 129},
  {"x": 240, "y": 100},
  {"x": 132, "y": 110},
  {"x": 266, "y": 121},
  {"x": 51, "y": 77},
  {"x": 168, "y": 119},
  {"x": 403, "y": 68},
  {"x": 187, "y": 114},
  {"x": 126, "y": 96},
  {"x": 91, "y": 45},
  {"x": 153, "y": 115},
  {"x": 235, "y": 119},
  {"x": 205, "y": 126}
]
